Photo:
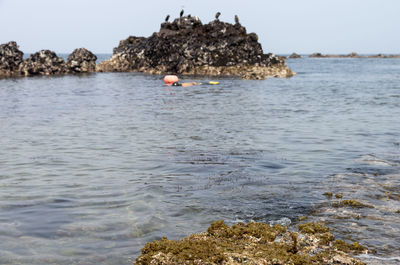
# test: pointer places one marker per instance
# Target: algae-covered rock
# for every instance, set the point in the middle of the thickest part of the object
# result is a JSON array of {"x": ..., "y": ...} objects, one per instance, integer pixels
[
  {"x": 351, "y": 203},
  {"x": 187, "y": 46},
  {"x": 253, "y": 243},
  {"x": 355, "y": 247}
]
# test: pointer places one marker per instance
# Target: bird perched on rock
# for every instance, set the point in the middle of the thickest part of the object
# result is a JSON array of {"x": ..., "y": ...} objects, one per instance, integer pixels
[
  {"x": 217, "y": 15},
  {"x": 236, "y": 19},
  {"x": 181, "y": 14},
  {"x": 166, "y": 19}
]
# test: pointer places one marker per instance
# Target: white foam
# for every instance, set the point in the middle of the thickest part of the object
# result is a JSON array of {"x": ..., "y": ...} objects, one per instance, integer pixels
[
  {"x": 368, "y": 256},
  {"x": 283, "y": 221}
]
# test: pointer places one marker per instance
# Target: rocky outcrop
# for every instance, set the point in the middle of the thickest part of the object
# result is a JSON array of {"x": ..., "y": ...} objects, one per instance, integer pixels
[
  {"x": 10, "y": 59},
  {"x": 316, "y": 55},
  {"x": 81, "y": 60},
  {"x": 294, "y": 56},
  {"x": 186, "y": 46},
  {"x": 254, "y": 243},
  {"x": 44, "y": 62}
]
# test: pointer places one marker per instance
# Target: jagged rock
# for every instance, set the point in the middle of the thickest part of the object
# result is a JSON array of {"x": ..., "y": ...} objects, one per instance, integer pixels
[
  {"x": 44, "y": 62},
  {"x": 294, "y": 56},
  {"x": 10, "y": 59},
  {"x": 186, "y": 46},
  {"x": 81, "y": 60}
]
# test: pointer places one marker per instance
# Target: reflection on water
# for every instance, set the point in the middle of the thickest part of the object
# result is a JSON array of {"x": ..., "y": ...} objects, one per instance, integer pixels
[{"x": 93, "y": 167}]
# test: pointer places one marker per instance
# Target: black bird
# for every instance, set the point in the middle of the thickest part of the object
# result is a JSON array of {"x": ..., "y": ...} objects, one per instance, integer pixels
[
  {"x": 181, "y": 14},
  {"x": 166, "y": 19},
  {"x": 236, "y": 19},
  {"x": 217, "y": 15}
]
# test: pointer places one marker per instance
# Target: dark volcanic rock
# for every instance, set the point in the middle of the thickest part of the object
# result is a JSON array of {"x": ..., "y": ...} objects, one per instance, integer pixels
[
  {"x": 294, "y": 56},
  {"x": 81, "y": 60},
  {"x": 186, "y": 46},
  {"x": 10, "y": 59},
  {"x": 44, "y": 62}
]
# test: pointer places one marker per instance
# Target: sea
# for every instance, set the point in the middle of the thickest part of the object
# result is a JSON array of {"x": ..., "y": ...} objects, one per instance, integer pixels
[{"x": 94, "y": 166}]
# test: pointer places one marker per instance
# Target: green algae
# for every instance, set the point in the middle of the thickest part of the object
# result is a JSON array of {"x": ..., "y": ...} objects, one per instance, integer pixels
[
  {"x": 313, "y": 228},
  {"x": 264, "y": 232},
  {"x": 351, "y": 203},
  {"x": 325, "y": 236},
  {"x": 355, "y": 247},
  {"x": 252, "y": 243},
  {"x": 302, "y": 218},
  {"x": 182, "y": 250},
  {"x": 338, "y": 196},
  {"x": 328, "y": 194}
]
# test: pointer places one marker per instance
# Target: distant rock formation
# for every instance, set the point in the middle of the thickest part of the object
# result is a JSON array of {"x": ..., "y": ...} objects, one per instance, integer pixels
[
  {"x": 350, "y": 55},
  {"x": 385, "y": 56},
  {"x": 186, "y": 46},
  {"x": 81, "y": 60},
  {"x": 10, "y": 59},
  {"x": 294, "y": 56},
  {"x": 354, "y": 55},
  {"x": 44, "y": 62}
]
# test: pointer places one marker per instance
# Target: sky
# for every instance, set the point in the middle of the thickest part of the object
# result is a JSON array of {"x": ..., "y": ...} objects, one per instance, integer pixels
[{"x": 283, "y": 27}]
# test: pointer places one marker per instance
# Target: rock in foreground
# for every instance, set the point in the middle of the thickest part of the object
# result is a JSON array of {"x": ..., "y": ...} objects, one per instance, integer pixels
[
  {"x": 10, "y": 59},
  {"x": 186, "y": 46},
  {"x": 253, "y": 243}
]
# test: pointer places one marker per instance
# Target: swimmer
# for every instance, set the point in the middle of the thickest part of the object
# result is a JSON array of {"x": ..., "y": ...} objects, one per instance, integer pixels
[{"x": 185, "y": 84}]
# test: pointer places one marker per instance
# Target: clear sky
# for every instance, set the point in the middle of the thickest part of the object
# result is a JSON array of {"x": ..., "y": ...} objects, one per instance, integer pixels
[{"x": 285, "y": 26}]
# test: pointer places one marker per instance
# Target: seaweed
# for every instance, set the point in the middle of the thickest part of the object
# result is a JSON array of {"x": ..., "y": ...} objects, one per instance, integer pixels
[
  {"x": 313, "y": 228},
  {"x": 351, "y": 203},
  {"x": 355, "y": 247}
]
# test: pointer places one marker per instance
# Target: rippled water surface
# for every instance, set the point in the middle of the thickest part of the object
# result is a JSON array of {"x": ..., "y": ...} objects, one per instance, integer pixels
[{"x": 93, "y": 167}]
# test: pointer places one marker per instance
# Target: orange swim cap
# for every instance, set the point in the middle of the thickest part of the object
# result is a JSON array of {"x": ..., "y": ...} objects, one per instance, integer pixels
[{"x": 169, "y": 79}]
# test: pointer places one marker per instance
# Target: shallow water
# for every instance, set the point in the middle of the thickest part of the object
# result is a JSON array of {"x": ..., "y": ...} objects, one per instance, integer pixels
[{"x": 95, "y": 166}]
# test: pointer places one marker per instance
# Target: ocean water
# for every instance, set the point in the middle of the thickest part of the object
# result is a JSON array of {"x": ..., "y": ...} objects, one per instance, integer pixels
[{"x": 94, "y": 166}]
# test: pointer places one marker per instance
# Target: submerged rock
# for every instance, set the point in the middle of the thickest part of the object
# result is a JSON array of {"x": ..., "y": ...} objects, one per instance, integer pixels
[
  {"x": 10, "y": 59},
  {"x": 186, "y": 46},
  {"x": 44, "y": 62},
  {"x": 253, "y": 243},
  {"x": 81, "y": 60}
]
